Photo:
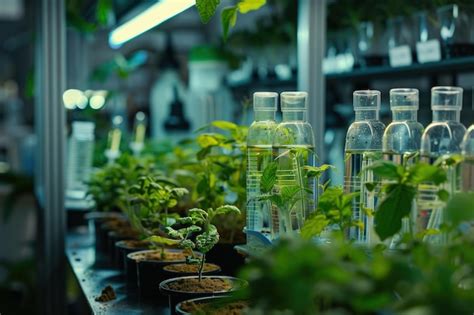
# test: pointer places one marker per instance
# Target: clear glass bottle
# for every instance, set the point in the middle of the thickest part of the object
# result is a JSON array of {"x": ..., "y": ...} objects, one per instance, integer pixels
[
  {"x": 467, "y": 170},
  {"x": 402, "y": 138},
  {"x": 139, "y": 133},
  {"x": 114, "y": 137},
  {"x": 441, "y": 139},
  {"x": 293, "y": 149},
  {"x": 259, "y": 155},
  {"x": 79, "y": 158},
  {"x": 363, "y": 147}
]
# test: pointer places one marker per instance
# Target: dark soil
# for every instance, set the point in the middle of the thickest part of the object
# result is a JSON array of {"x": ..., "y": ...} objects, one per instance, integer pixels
[
  {"x": 115, "y": 224},
  {"x": 107, "y": 294},
  {"x": 190, "y": 268},
  {"x": 159, "y": 256},
  {"x": 136, "y": 244},
  {"x": 234, "y": 308},
  {"x": 206, "y": 285}
]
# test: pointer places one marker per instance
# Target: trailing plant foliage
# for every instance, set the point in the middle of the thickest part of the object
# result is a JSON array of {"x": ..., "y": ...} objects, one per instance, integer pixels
[{"x": 197, "y": 232}]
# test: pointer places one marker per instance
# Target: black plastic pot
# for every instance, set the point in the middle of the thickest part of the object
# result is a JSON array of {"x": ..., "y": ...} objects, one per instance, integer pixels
[
  {"x": 175, "y": 297},
  {"x": 226, "y": 257},
  {"x": 104, "y": 230},
  {"x": 149, "y": 273},
  {"x": 112, "y": 239},
  {"x": 207, "y": 299},
  {"x": 95, "y": 220},
  {"x": 123, "y": 249}
]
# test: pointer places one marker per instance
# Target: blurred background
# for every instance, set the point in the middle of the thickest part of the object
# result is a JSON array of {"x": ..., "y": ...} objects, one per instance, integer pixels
[{"x": 183, "y": 74}]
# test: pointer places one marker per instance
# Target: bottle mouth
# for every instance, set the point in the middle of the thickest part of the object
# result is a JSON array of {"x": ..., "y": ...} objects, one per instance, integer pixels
[
  {"x": 404, "y": 99},
  {"x": 293, "y": 101},
  {"x": 366, "y": 100},
  {"x": 446, "y": 98},
  {"x": 265, "y": 101}
]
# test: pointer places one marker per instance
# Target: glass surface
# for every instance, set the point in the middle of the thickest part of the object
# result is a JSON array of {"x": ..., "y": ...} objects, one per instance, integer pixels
[
  {"x": 467, "y": 171},
  {"x": 441, "y": 138},
  {"x": 293, "y": 149},
  {"x": 363, "y": 147},
  {"x": 259, "y": 155}
]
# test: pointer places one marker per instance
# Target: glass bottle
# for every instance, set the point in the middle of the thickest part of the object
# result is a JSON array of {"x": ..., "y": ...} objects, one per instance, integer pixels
[
  {"x": 402, "y": 138},
  {"x": 467, "y": 170},
  {"x": 259, "y": 155},
  {"x": 79, "y": 160},
  {"x": 363, "y": 147},
  {"x": 441, "y": 139},
  {"x": 293, "y": 149},
  {"x": 139, "y": 133},
  {"x": 113, "y": 141}
]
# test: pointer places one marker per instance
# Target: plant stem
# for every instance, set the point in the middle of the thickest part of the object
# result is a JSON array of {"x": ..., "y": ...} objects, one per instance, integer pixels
[{"x": 201, "y": 266}]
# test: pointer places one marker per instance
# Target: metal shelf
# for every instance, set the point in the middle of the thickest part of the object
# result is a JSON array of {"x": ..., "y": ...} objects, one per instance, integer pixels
[
  {"x": 464, "y": 64},
  {"x": 93, "y": 275}
]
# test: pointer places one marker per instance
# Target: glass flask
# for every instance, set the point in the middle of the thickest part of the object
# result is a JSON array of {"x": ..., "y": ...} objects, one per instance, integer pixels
[
  {"x": 441, "y": 139},
  {"x": 467, "y": 170},
  {"x": 79, "y": 159},
  {"x": 363, "y": 147},
  {"x": 139, "y": 133},
  {"x": 455, "y": 30},
  {"x": 113, "y": 139},
  {"x": 293, "y": 149},
  {"x": 402, "y": 138},
  {"x": 259, "y": 156}
]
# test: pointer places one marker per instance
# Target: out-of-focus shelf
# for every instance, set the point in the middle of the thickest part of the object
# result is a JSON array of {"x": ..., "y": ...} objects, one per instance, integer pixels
[
  {"x": 267, "y": 83},
  {"x": 93, "y": 274},
  {"x": 463, "y": 64}
]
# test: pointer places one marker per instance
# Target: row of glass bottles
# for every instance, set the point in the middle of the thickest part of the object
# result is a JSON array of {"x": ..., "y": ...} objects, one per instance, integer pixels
[
  {"x": 291, "y": 145},
  {"x": 404, "y": 142},
  {"x": 81, "y": 150}
]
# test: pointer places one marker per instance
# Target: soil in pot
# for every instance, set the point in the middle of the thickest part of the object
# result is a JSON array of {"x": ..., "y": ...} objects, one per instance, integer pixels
[
  {"x": 149, "y": 268},
  {"x": 185, "y": 288},
  {"x": 191, "y": 268},
  {"x": 211, "y": 306}
]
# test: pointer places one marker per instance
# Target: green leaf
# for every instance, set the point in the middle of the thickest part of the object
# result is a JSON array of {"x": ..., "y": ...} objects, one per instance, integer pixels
[
  {"x": 422, "y": 172},
  {"x": 228, "y": 20},
  {"x": 206, "y": 9},
  {"x": 226, "y": 209},
  {"x": 269, "y": 177},
  {"x": 288, "y": 193},
  {"x": 208, "y": 140},
  {"x": 162, "y": 240},
  {"x": 396, "y": 205},
  {"x": 317, "y": 171},
  {"x": 246, "y": 6},
  {"x": 104, "y": 11},
  {"x": 314, "y": 226},
  {"x": 385, "y": 169},
  {"x": 443, "y": 195},
  {"x": 370, "y": 186},
  {"x": 223, "y": 124},
  {"x": 460, "y": 208}
]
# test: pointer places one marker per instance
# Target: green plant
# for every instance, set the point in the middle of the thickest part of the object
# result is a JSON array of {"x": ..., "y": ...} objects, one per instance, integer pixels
[
  {"x": 399, "y": 190},
  {"x": 198, "y": 233},
  {"x": 207, "y": 9},
  {"x": 149, "y": 201}
]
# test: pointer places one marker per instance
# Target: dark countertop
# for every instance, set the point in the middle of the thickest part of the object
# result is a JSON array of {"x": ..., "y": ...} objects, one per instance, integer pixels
[{"x": 93, "y": 275}]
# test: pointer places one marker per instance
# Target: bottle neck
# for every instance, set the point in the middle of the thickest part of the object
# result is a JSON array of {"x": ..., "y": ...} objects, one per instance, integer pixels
[
  {"x": 294, "y": 115},
  {"x": 366, "y": 115},
  {"x": 446, "y": 115},
  {"x": 264, "y": 115},
  {"x": 398, "y": 115}
]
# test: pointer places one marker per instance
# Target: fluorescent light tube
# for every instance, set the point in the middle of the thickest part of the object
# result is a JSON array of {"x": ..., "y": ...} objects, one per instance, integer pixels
[{"x": 151, "y": 17}]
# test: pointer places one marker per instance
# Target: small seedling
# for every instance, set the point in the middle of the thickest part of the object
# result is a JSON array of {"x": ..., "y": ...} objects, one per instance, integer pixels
[{"x": 198, "y": 233}]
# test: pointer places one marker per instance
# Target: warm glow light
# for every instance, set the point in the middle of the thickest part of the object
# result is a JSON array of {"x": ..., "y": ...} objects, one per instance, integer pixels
[
  {"x": 72, "y": 97},
  {"x": 151, "y": 17},
  {"x": 97, "y": 101}
]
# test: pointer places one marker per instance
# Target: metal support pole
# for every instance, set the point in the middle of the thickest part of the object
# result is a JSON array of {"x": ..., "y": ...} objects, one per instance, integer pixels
[
  {"x": 50, "y": 77},
  {"x": 311, "y": 49}
]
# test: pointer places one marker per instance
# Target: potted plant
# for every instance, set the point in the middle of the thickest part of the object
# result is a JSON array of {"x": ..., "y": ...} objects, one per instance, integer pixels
[
  {"x": 199, "y": 233},
  {"x": 212, "y": 305},
  {"x": 150, "y": 200}
]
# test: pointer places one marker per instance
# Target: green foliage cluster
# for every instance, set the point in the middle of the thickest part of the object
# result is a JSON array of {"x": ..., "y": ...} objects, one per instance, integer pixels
[
  {"x": 299, "y": 277},
  {"x": 197, "y": 232}
]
